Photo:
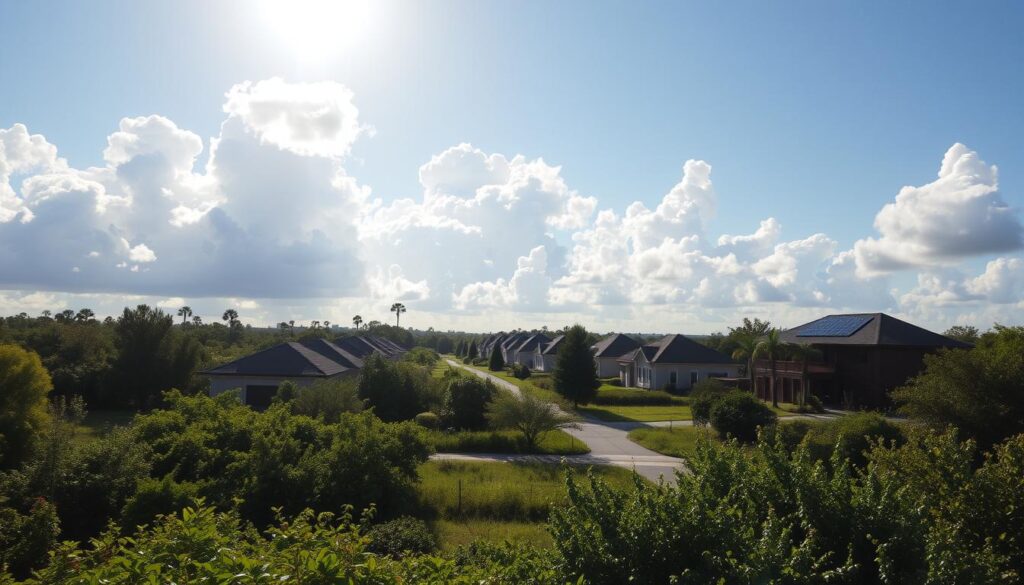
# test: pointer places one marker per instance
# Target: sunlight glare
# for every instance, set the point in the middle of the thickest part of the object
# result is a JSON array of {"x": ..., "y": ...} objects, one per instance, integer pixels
[{"x": 319, "y": 29}]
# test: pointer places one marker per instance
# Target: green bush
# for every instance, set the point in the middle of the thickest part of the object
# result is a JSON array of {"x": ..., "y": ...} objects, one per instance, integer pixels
[
  {"x": 328, "y": 399},
  {"x": 24, "y": 384},
  {"x": 401, "y": 536},
  {"x": 813, "y": 404},
  {"x": 468, "y": 397},
  {"x": 519, "y": 371},
  {"x": 155, "y": 497},
  {"x": 852, "y": 435},
  {"x": 703, "y": 396},
  {"x": 611, "y": 381},
  {"x": 739, "y": 414},
  {"x": 423, "y": 356},
  {"x": 428, "y": 420},
  {"x": 26, "y": 538},
  {"x": 632, "y": 397}
]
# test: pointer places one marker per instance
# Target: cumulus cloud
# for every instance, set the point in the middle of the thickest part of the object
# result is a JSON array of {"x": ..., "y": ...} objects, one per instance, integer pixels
[
  {"x": 960, "y": 214},
  {"x": 317, "y": 119}
]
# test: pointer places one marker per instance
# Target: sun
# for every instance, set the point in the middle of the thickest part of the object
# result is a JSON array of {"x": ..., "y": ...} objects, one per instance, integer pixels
[{"x": 317, "y": 30}]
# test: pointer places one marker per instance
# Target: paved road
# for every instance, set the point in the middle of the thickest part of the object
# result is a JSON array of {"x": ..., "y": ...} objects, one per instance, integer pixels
[{"x": 608, "y": 442}]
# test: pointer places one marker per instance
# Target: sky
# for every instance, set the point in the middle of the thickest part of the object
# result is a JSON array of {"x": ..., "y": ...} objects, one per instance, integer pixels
[{"x": 640, "y": 166}]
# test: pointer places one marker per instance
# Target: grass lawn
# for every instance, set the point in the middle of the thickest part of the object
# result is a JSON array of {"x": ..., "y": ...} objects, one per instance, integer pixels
[
  {"x": 637, "y": 413},
  {"x": 528, "y": 387},
  {"x": 455, "y": 533},
  {"x": 501, "y": 492},
  {"x": 678, "y": 442},
  {"x": 98, "y": 423},
  {"x": 551, "y": 443}
]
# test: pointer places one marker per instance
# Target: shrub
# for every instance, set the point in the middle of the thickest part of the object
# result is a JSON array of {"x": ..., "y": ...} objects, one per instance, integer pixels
[
  {"x": 400, "y": 536},
  {"x": 423, "y": 356},
  {"x": 852, "y": 435},
  {"x": 26, "y": 538},
  {"x": 612, "y": 381},
  {"x": 632, "y": 397},
  {"x": 428, "y": 420},
  {"x": 519, "y": 371},
  {"x": 154, "y": 497},
  {"x": 328, "y": 399},
  {"x": 496, "y": 363},
  {"x": 813, "y": 404},
  {"x": 527, "y": 414},
  {"x": 704, "y": 396},
  {"x": 467, "y": 402},
  {"x": 286, "y": 392},
  {"x": 740, "y": 414}
]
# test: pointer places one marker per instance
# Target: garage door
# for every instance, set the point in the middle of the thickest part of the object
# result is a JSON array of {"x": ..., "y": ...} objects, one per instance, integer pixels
[{"x": 260, "y": 397}]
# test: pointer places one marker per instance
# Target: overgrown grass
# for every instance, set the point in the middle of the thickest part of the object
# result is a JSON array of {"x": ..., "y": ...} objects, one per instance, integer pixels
[
  {"x": 529, "y": 387},
  {"x": 520, "y": 492},
  {"x": 452, "y": 534},
  {"x": 556, "y": 442},
  {"x": 98, "y": 423},
  {"x": 617, "y": 396}
]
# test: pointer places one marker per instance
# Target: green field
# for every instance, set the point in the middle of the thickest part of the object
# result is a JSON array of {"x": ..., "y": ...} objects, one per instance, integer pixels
[
  {"x": 452, "y": 534},
  {"x": 551, "y": 443},
  {"x": 637, "y": 413}
]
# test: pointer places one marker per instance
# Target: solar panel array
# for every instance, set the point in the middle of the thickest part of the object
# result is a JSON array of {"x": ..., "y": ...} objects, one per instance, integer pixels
[{"x": 835, "y": 326}]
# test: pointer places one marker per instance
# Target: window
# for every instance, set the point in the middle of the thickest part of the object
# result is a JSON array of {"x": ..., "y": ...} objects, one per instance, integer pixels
[
  {"x": 672, "y": 378},
  {"x": 693, "y": 378}
]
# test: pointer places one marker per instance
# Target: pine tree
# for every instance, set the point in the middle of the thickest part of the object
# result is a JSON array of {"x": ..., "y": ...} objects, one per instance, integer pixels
[
  {"x": 575, "y": 377},
  {"x": 472, "y": 352},
  {"x": 497, "y": 363},
  {"x": 460, "y": 348}
]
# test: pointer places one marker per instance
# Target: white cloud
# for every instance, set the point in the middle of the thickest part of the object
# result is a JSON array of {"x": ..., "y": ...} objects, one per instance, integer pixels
[
  {"x": 313, "y": 119},
  {"x": 960, "y": 214},
  {"x": 141, "y": 253}
]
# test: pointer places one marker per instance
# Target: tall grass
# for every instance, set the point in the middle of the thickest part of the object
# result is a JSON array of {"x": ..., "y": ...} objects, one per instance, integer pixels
[
  {"x": 551, "y": 443},
  {"x": 523, "y": 492}
]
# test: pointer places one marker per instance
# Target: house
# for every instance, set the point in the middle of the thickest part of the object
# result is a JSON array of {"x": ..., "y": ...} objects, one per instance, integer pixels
[
  {"x": 303, "y": 362},
  {"x": 674, "y": 361},
  {"x": 509, "y": 344},
  {"x": 608, "y": 351},
  {"x": 545, "y": 356},
  {"x": 863, "y": 356},
  {"x": 523, "y": 353}
]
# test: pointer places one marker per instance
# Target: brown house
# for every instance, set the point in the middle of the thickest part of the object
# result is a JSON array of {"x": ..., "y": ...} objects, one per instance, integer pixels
[{"x": 862, "y": 358}]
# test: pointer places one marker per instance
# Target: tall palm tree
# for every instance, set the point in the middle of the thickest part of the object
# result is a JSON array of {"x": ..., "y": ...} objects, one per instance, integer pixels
[
  {"x": 231, "y": 316},
  {"x": 398, "y": 309},
  {"x": 185, "y": 313},
  {"x": 771, "y": 347},
  {"x": 746, "y": 346},
  {"x": 357, "y": 321}
]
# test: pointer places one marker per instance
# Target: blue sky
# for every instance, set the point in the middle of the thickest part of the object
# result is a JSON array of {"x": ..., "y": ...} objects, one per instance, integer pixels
[{"x": 812, "y": 113}]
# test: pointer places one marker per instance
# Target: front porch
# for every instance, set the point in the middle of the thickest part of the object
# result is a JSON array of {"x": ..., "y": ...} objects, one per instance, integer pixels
[{"x": 793, "y": 380}]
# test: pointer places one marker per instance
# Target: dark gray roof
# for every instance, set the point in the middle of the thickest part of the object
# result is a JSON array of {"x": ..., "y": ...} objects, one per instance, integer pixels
[
  {"x": 531, "y": 342},
  {"x": 551, "y": 347},
  {"x": 614, "y": 346},
  {"x": 880, "y": 330},
  {"x": 513, "y": 340},
  {"x": 678, "y": 349},
  {"x": 291, "y": 359},
  {"x": 361, "y": 346},
  {"x": 332, "y": 351}
]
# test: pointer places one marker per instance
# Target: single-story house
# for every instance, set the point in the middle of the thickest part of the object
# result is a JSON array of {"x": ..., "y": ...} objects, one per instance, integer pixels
[
  {"x": 674, "y": 361},
  {"x": 509, "y": 345},
  {"x": 545, "y": 356},
  {"x": 523, "y": 353},
  {"x": 863, "y": 356},
  {"x": 608, "y": 351},
  {"x": 303, "y": 362}
]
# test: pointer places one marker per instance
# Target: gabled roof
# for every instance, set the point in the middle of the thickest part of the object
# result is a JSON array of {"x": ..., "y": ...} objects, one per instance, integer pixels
[
  {"x": 291, "y": 359},
  {"x": 551, "y": 347},
  {"x": 614, "y": 346},
  {"x": 531, "y": 342},
  {"x": 876, "y": 329},
  {"x": 332, "y": 351},
  {"x": 513, "y": 340},
  {"x": 677, "y": 349}
]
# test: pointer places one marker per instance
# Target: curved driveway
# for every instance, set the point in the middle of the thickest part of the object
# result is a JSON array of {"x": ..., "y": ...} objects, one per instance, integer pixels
[{"x": 608, "y": 442}]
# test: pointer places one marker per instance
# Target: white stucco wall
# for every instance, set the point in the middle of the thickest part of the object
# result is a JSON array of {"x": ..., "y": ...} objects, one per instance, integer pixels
[{"x": 661, "y": 374}]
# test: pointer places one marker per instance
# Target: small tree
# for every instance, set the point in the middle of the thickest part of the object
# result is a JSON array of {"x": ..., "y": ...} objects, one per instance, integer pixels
[
  {"x": 526, "y": 414},
  {"x": 497, "y": 363},
  {"x": 466, "y": 402},
  {"x": 24, "y": 384},
  {"x": 472, "y": 353},
  {"x": 740, "y": 414},
  {"x": 575, "y": 377}
]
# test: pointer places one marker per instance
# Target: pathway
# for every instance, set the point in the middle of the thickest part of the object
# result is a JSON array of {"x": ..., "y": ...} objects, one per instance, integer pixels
[{"x": 609, "y": 444}]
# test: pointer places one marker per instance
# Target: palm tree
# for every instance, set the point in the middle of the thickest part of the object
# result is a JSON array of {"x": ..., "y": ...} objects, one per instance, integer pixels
[
  {"x": 398, "y": 309},
  {"x": 746, "y": 346},
  {"x": 197, "y": 320},
  {"x": 185, "y": 313},
  {"x": 357, "y": 321},
  {"x": 771, "y": 347},
  {"x": 314, "y": 325},
  {"x": 327, "y": 324}
]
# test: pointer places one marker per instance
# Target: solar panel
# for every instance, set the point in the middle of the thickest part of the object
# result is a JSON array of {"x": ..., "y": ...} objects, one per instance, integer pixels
[{"x": 835, "y": 326}]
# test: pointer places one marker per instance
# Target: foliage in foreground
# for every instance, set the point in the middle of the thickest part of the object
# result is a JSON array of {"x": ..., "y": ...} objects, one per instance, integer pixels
[
  {"x": 915, "y": 514},
  {"x": 24, "y": 383},
  {"x": 203, "y": 546}
]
